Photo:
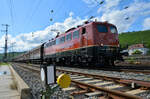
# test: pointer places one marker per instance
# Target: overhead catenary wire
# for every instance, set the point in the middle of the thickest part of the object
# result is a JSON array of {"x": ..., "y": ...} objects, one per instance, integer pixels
[
  {"x": 60, "y": 5},
  {"x": 93, "y": 9},
  {"x": 35, "y": 9},
  {"x": 11, "y": 8}
]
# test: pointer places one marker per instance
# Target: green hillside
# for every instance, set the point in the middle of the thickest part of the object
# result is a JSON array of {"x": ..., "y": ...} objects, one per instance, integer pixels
[
  {"x": 130, "y": 38},
  {"x": 10, "y": 55}
]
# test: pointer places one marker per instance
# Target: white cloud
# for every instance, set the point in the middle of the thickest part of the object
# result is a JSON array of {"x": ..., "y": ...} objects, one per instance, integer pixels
[
  {"x": 71, "y": 14},
  {"x": 118, "y": 18},
  {"x": 146, "y": 24},
  {"x": 108, "y": 5},
  {"x": 1, "y": 49},
  {"x": 91, "y": 3},
  {"x": 122, "y": 18},
  {"x": 27, "y": 41}
]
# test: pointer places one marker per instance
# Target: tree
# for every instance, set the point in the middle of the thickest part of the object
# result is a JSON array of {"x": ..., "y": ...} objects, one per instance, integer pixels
[{"x": 137, "y": 52}]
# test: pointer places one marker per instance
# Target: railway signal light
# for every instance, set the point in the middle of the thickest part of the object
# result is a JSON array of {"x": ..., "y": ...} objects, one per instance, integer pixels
[
  {"x": 64, "y": 81},
  {"x": 48, "y": 74}
]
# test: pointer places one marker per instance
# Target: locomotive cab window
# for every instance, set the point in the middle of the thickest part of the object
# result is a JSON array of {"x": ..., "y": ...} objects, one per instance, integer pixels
[
  {"x": 46, "y": 45},
  {"x": 62, "y": 39},
  {"x": 50, "y": 43},
  {"x": 68, "y": 37},
  {"x": 113, "y": 29},
  {"x": 102, "y": 28},
  {"x": 57, "y": 40},
  {"x": 76, "y": 34},
  {"x": 54, "y": 42}
]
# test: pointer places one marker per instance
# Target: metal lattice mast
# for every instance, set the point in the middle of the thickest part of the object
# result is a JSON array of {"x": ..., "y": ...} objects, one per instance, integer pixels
[{"x": 6, "y": 39}]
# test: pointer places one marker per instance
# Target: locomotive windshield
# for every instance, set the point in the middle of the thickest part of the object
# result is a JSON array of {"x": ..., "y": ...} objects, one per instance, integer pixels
[
  {"x": 113, "y": 29},
  {"x": 102, "y": 28}
]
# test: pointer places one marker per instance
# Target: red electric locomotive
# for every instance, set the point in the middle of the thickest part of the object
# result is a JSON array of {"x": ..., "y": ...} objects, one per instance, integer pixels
[{"x": 91, "y": 43}]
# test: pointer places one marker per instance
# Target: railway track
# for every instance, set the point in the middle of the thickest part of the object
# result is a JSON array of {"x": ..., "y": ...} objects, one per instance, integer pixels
[
  {"x": 101, "y": 86},
  {"x": 126, "y": 69}
]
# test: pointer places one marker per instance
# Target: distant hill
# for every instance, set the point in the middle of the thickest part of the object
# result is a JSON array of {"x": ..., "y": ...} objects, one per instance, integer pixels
[
  {"x": 10, "y": 55},
  {"x": 130, "y": 38}
]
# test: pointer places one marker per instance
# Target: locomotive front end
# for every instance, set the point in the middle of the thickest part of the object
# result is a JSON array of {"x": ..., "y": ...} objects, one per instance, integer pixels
[{"x": 106, "y": 42}]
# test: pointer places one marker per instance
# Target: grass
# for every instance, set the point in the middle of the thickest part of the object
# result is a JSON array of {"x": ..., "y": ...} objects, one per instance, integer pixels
[
  {"x": 13, "y": 85},
  {"x": 131, "y": 38},
  {"x": 2, "y": 63},
  {"x": 131, "y": 60},
  {"x": 10, "y": 55}
]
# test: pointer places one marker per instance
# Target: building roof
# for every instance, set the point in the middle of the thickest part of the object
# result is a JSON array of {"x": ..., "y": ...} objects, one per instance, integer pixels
[{"x": 136, "y": 46}]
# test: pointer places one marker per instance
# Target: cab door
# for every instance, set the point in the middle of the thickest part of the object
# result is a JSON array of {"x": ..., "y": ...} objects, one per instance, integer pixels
[{"x": 84, "y": 37}]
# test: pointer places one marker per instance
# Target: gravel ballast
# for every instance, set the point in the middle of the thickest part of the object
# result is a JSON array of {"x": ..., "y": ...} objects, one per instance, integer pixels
[{"x": 34, "y": 82}]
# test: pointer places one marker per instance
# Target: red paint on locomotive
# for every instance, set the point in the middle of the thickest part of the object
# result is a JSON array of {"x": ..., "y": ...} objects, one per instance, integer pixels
[
  {"x": 93, "y": 42},
  {"x": 91, "y": 37}
]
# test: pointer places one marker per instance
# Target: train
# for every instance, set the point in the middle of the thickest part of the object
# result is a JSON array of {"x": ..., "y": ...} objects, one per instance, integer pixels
[{"x": 91, "y": 43}]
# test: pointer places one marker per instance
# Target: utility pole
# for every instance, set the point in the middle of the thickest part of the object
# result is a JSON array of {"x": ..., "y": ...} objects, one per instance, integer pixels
[
  {"x": 6, "y": 39},
  {"x": 13, "y": 44}
]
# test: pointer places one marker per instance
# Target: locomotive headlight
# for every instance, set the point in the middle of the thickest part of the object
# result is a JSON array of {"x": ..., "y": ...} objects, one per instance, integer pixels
[
  {"x": 111, "y": 49},
  {"x": 102, "y": 44}
]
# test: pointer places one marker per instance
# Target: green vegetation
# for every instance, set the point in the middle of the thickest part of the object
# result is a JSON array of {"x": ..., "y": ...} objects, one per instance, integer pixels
[
  {"x": 131, "y": 60},
  {"x": 2, "y": 63},
  {"x": 46, "y": 94},
  {"x": 13, "y": 85},
  {"x": 131, "y": 38},
  {"x": 137, "y": 52},
  {"x": 10, "y": 55},
  {"x": 148, "y": 52}
]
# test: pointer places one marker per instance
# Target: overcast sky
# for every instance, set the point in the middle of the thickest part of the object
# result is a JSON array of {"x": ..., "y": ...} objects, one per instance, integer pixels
[{"x": 31, "y": 21}]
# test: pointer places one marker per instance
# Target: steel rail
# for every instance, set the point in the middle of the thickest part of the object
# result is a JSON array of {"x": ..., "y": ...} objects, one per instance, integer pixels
[
  {"x": 115, "y": 79},
  {"x": 118, "y": 69},
  {"x": 118, "y": 94}
]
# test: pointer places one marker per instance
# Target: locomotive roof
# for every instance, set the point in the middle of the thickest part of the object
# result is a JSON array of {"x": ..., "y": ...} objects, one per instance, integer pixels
[
  {"x": 78, "y": 27},
  {"x": 28, "y": 51},
  {"x": 36, "y": 47},
  {"x": 85, "y": 24}
]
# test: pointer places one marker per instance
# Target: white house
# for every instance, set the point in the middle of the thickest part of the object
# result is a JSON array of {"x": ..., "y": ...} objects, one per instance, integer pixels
[{"x": 139, "y": 47}]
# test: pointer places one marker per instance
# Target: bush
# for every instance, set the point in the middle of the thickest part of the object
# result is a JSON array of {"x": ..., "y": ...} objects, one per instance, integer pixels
[
  {"x": 148, "y": 52},
  {"x": 137, "y": 52},
  {"x": 131, "y": 60}
]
